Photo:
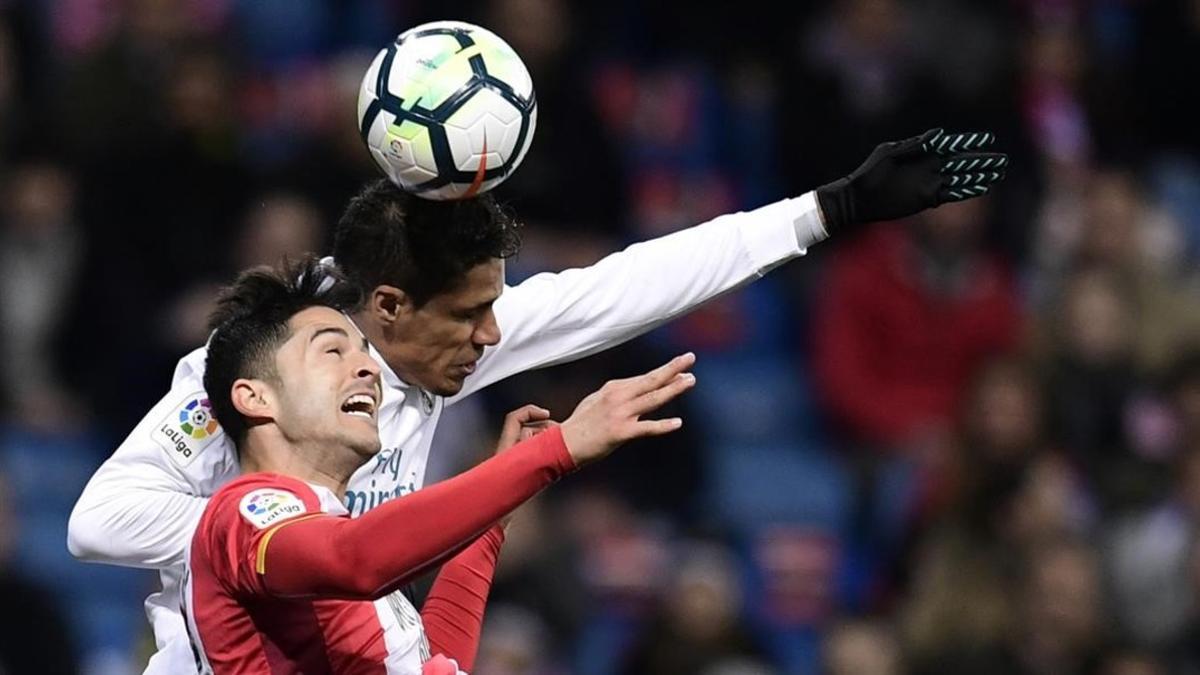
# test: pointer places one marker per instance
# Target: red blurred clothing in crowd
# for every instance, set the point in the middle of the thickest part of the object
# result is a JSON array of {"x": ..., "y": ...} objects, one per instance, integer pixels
[{"x": 906, "y": 316}]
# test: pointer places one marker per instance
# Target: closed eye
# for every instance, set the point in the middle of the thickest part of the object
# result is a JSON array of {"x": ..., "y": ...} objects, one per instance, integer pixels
[{"x": 474, "y": 313}]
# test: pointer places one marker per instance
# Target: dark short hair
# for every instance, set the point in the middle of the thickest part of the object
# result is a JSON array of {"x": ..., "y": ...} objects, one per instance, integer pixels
[
  {"x": 421, "y": 246},
  {"x": 251, "y": 322}
]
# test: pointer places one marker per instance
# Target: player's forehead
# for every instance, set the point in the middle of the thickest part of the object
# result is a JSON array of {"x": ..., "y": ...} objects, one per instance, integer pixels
[{"x": 312, "y": 320}]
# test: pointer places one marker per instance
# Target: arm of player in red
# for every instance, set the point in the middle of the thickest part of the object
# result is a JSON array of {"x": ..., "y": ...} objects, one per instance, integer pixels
[
  {"x": 453, "y": 611},
  {"x": 389, "y": 546}
]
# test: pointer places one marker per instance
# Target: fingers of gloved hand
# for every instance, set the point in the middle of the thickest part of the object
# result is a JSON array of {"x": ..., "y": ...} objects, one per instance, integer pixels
[
  {"x": 915, "y": 144},
  {"x": 958, "y": 194},
  {"x": 946, "y": 144},
  {"x": 930, "y": 138},
  {"x": 977, "y": 161},
  {"x": 977, "y": 178},
  {"x": 926, "y": 138}
]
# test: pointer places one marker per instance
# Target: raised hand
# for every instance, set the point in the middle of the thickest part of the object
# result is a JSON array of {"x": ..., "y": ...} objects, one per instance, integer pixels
[
  {"x": 901, "y": 178},
  {"x": 612, "y": 415}
]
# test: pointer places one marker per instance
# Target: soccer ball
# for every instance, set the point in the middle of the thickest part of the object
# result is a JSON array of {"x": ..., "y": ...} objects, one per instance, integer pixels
[{"x": 447, "y": 110}]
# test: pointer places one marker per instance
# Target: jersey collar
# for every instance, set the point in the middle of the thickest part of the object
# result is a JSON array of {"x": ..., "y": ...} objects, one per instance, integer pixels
[{"x": 329, "y": 502}]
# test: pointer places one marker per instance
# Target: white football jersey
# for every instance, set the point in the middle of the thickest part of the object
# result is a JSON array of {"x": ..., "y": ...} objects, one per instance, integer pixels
[{"x": 143, "y": 503}]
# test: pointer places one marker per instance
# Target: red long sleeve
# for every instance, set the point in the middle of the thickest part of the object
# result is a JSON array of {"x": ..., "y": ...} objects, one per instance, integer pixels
[
  {"x": 453, "y": 611},
  {"x": 367, "y": 557}
]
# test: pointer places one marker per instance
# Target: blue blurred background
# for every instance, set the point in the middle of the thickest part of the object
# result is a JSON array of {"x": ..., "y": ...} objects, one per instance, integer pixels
[{"x": 968, "y": 442}]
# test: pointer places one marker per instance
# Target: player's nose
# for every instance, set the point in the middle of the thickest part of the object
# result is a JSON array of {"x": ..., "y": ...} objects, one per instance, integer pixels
[
  {"x": 487, "y": 333},
  {"x": 365, "y": 367}
]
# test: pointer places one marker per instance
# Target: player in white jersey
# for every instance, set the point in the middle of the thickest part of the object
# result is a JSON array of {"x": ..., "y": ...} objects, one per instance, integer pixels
[{"x": 436, "y": 312}]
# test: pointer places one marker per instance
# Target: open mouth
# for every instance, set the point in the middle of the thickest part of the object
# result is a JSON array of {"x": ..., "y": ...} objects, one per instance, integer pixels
[{"x": 360, "y": 405}]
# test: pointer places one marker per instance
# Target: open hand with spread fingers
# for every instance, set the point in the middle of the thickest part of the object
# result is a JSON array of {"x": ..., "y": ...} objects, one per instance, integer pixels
[
  {"x": 613, "y": 414},
  {"x": 901, "y": 178}
]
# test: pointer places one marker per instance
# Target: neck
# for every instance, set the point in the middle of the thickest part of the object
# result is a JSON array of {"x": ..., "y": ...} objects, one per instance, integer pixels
[{"x": 266, "y": 450}]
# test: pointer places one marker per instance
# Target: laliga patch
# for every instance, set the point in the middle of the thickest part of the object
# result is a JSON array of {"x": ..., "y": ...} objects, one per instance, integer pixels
[
  {"x": 188, "y": 429},
  {"x": 266, "y": 506}
]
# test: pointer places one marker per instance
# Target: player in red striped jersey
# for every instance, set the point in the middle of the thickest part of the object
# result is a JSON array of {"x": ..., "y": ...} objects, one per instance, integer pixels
[{"x": 279, "y": 578}]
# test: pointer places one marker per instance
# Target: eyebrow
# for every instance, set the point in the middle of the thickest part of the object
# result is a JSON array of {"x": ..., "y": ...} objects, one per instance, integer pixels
[
  {"x": 482, "y": 305},
  {"x": 328, "y": 329},
  {"x": 365, "y": 346}
]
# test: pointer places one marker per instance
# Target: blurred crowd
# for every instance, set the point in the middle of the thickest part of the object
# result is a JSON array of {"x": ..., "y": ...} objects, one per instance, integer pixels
[{"x": 967, "y": 442}]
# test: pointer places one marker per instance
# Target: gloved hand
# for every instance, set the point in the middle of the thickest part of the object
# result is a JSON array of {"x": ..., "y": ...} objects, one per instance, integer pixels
[{"x": 903, "y": 177}]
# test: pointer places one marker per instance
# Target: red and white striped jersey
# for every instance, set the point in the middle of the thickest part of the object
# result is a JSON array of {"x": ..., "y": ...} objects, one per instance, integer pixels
[{"x": 237, "y": 626}]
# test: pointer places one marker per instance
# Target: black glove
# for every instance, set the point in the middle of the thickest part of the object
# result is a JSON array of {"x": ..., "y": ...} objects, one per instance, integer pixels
[{"x": 904, "y": 177}]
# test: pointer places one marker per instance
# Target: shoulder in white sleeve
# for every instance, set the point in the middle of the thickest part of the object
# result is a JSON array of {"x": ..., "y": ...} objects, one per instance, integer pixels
[
  {"x": 191, "y": 367},
  {"x": 144, "y": 501}
]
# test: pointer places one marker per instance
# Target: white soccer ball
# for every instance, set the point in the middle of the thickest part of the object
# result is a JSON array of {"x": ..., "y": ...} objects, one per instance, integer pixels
[{"x": 447, "y": 110}]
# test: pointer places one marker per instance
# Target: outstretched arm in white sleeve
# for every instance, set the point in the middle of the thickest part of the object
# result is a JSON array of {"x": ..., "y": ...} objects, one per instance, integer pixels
[{"x": 554, "y": 318}]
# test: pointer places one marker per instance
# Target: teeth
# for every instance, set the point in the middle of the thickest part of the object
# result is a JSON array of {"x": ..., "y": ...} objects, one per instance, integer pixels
[{"x": 365, "y": 403}]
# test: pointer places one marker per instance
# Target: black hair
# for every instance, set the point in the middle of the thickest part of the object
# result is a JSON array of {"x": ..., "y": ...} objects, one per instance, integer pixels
[
  {"x": 251, "y": 321},
  {"x": 421, "y": 246}
]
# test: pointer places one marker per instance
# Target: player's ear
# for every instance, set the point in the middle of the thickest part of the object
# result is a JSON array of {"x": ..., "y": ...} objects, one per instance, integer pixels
[
  {"x": 253, "y": 399},
  {"x": 389, "y": 304}
]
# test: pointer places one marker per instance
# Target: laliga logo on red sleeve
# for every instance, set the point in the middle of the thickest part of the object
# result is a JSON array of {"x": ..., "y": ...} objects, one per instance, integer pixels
[{"x": 267, "y": 505}]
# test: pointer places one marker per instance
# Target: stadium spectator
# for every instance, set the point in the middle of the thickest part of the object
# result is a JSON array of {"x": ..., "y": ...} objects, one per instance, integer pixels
[
  {"x": 1130, "y": 661},
  {"x": 9, "y": 85},
  {"x": 1061, "y": 621},
  {"x": 540, "y": 570},
  {"x": 41, "y": 249},
  {"x": 34, "y": 634},
  {"x": 1004, "y": 493},
  {"x": 1150, "y": 550},
  {"x": 1110, "y": 225},
  {"x": 696, "y": 628},
  {"x": 857, "y": 66},
  {"x": 515, "y": 641},
  {"x": 907, "y": 313},
  {"x": 546, "y": 33},
  {"x": 862, "y": 647},
  {"x": 1095, "y": 386}
]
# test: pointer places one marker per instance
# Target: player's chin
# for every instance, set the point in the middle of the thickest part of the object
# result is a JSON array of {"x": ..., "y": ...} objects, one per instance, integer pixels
[
  {"x": 360, "y": 429},
  {"x": 365, "y": 445},
  {"x": 452, "y": 383}
]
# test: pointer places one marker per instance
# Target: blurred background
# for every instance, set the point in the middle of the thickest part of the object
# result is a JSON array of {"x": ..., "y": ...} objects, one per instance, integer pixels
[{"x": 967, "y": 442}]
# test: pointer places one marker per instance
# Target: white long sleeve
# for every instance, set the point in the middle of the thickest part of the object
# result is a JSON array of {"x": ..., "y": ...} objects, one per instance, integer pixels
[
  {"x": 142, "y": 505},
  {"x": 554, "y": 318}
]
